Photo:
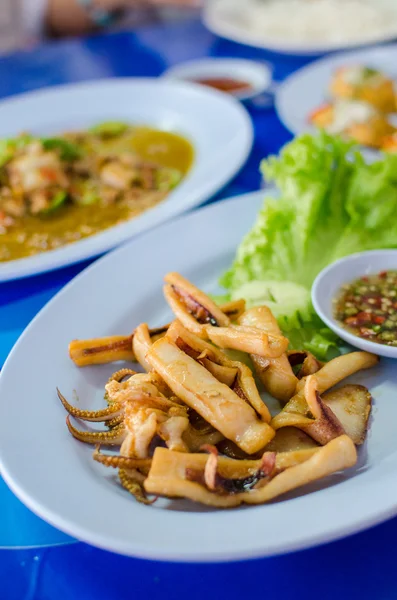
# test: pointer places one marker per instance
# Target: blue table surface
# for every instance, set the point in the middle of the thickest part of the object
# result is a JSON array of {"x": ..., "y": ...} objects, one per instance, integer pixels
[{"x": 37, "y": 561}]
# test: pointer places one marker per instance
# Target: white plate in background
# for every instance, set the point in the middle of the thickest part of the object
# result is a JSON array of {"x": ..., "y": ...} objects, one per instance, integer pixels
[
  {"x": 216, "y": 124},
  {"x": 230, "y": 19},
  {"x": 306, "y": 89}
]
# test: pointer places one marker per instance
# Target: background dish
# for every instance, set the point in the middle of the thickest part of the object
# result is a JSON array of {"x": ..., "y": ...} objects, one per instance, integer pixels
[
  {"x": 329, "y": 282},
  {"x": 306, "y": 89},
  {"x": 198, "y": 113},
  {"x": 257, "y": 74},
  {"x": 62, "y": 485},
  {"x": 227, "y": 19}
]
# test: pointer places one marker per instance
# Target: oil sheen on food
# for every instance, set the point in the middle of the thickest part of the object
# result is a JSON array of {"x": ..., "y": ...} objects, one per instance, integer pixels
[{"x": 120, "y": 172}]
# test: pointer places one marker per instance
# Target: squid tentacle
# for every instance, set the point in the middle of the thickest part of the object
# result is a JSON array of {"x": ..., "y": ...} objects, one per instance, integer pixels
[
  {"x": 117, "y": 420},
  {"x": 114, "y": 436},
  {"x": 105, "y": 414},
  {"x": 121, "y": 374},
  {"x": 134, "y": 487},
  {"x": 121, "y": 462}
]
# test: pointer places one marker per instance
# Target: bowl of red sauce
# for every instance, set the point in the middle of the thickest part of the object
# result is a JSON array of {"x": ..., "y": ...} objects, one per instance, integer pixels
[
  {"x": 244, "y": 79},
  {"x": 357, "y": 298}
]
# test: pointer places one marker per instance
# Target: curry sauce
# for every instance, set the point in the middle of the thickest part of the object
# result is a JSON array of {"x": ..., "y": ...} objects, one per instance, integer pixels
[{"x": 115, "y": 178}]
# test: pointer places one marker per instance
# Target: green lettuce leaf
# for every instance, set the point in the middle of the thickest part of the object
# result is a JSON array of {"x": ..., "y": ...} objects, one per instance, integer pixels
[{"x": 331, "y": 204}]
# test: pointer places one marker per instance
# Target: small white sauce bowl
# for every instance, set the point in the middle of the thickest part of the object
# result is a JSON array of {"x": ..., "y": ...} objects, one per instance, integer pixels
[
  {"x": 327, "y": 287},
  {"x": 257, "y": 74}
]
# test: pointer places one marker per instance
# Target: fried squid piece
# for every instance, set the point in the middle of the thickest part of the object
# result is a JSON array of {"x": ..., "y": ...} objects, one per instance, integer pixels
[
  {"x": 142, "y": 340},
  {"x": 233, "y": 309},
  {"x": 100, "y": 351},
  {"x": 351, "y": 404},
  {"x": 197, "y": 438},
  {"x": 318, "y": 421},
  {"x": 345, "y": 410},
  {"x": 306, "y": 362},
  {"x": 131, "y": 348},
  {"x": 247, "y": 339},
  {"x": 221, "y": 484},
  {"x": 290, "y": 439},
  {"x": 122, "y": 391},
  {"x": 141, "y": 344},
  {"x": 132, "y": 472},
  {"x": 234, "y": 374},
  {"x": 151, "y": 416},
  {"x": 213, "y": 400},
  {"x": 276, "y": 374},
  {"x": 326, "y": 425},
  {"x": 201, "y": 316},
  {"x": 122, "y": 462},
  {"x": 191, "y": 306},
  {"x": 115, "y": 348},
  {"x": 333, "y": 372},
  {"x": 192, "y": 476}
]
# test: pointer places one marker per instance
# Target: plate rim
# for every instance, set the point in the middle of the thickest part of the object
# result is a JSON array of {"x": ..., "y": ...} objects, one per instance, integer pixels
[
  {"x": 161, "y": 553},
  {"x": 117, "y": 235}
]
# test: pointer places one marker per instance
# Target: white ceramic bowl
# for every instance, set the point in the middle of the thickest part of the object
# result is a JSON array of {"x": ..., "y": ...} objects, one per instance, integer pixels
[
  {"x": 257, "y": 74},
  {"x": 328, "y": 283}
]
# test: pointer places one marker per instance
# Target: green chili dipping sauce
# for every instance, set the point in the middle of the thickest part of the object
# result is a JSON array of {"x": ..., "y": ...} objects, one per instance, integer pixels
[{"x": 367, "y": 307}]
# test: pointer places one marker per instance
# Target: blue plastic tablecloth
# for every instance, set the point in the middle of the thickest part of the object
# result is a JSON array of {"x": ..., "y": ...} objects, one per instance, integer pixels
[{"x": 36, "y": 561}]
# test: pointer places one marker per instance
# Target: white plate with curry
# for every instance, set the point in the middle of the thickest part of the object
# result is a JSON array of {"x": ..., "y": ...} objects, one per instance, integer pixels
[
  {"x": 85, "y": 167},
  {"x": 320, "y": 496}
]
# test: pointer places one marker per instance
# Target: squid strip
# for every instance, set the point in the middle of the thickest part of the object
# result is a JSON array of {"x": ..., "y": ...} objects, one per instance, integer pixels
[
  {"x": 100, "y": 351},
  {"x": 276, "y": 374},
  {"x": 329, "y": 375},
  {"x": 170, "y": 473},
  {"x": 214, "y": 401},
  {"x": 247, "y": 339}
]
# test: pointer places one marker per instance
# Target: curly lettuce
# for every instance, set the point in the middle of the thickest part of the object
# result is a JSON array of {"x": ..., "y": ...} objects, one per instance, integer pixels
[{"x": 331, "y": 203}]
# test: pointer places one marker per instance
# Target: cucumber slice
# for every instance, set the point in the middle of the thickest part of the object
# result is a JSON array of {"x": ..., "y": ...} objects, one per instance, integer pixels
[{"x": 288, "y": 301}]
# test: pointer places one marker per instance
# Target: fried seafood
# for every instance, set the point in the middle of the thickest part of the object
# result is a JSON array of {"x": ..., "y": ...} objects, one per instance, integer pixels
[
  {"x": 276, "y": 374},
  {"x": 176, "y": 475},
  {"x": 194, "y": 425},
  {"x": 201, "y": 316},
  {"x": 126, "y": 348},
  {"x": 213, "y": 400}
]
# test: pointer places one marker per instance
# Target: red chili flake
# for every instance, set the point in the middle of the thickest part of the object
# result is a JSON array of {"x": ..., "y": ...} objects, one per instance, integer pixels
[
  {"x": 364, "y": 278},
  {"x": 383, "y": 274},
  {"x": 378, "y": 320},
  {"x": 364, "y": 317},
  {"x": 360, "y": 319}
]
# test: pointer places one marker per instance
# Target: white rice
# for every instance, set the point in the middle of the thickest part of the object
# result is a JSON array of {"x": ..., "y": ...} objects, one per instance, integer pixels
[{"x": 312, "y": 21}]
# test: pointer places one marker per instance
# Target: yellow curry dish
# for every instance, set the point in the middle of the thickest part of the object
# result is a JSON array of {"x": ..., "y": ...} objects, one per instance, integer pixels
[{"x": 58, "y": 190}]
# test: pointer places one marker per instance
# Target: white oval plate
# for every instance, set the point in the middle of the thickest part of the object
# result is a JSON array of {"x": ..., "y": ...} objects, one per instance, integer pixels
[
  {"x": 55, "y": 476},
  {"x": 306, "y": 89},
  {"x": 216, "y": 124},
  {"x": 229, "y": 23}
]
